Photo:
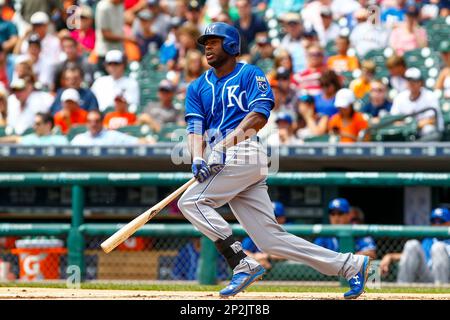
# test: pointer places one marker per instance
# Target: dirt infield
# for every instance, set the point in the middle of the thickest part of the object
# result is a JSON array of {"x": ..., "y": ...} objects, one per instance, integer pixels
[{"x": 51, "y": 293}]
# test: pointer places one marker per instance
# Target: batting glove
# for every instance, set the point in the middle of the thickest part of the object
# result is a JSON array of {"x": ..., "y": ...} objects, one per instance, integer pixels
[
  {"x": 216, "y": 160},
  {"x": 200, "y": 169}
]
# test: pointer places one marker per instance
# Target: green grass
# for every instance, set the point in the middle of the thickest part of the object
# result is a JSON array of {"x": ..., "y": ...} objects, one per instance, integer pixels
[{"x": 254, "y": 288}]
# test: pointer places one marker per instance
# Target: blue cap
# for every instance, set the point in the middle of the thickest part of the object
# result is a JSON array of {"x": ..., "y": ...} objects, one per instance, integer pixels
[
  {"x": 339, "y": 204},
  {"x": 282, "y": 116},
  {"x": 440, "y": 213},
  {"x": 278, "y": 209}
]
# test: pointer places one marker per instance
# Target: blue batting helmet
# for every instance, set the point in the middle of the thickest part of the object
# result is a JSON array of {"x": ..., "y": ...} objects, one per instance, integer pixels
[
  {"x": 339, "y": 204},
  {"x": 278, "y": 209},
  {"x": 231, "y": 40},
  {"x": 442, "y": 214}
]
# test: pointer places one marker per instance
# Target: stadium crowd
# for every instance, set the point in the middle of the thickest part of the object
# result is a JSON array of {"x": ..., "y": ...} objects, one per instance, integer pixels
[{"x": 116, "y": 71}]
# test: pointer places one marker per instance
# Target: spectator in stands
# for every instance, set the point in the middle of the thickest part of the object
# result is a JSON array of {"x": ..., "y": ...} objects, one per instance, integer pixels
[
  {"x": 425, "y": 261},
  {"x": 416, "y": 99},
  {"x": 366, "y": 35},
  {"x": 115, "y": 81},
  {"x": 187, "y": 39},
  {"x": 185, "y": 265},
  {"x": 42, "y": 67},
  {"x": 282, "y": 59},
  {"x": 169, "y": 49},
  {"x": 8, "y": 35},
  {"x": 192, "y": 69},
  {"x": 347, "y": 123},
  {"x": 42, "y": 136},
  {"x": 71, "y": 113},
  {"x": 146, "y": 37},
  {"x": 3, "y": 105},
  {"x": 443, "y": 80},
  {"x": 324, "y": 102},
  {"x": 194, "y": 14},
  {"x": 285, "y": 131},
  {"x": 249, "y": 25},
  {"x": 120, "y": 117},
  {"x": 308, "y": 80},
  {"x": 24, "y": 103},
  {"x": 310, "y": 37},
  {"x": 330, "y": 30},
  {"x": 409, "y": 35},
  {"x": 161, "y": 21},
  {"x": 361, "y": 85},
  {"x": 397, "y": 68},
  {"x": 378, "y": 105},
  {"x": 97, "y": 135},
  {"x": 109, "y": 28},
  {"x": 72, "y": 56},
  {"x": 310, "y": 122},
  {"x": 72, "y": 77},
  {"x": 250, "y": 248},
  {"x": 339, "y": 214},
  {"x": 292, "y": 41},
  {"x": 85, "y": 35},
  {"x": 156, "y": 114},
  {"x": 23, "y": 68},
  {"x": 262, "y": 54},
  {"x": 285, "y": 95},
  {"x": 50, "y": 44},
  {"x": 342, "y": 62}
]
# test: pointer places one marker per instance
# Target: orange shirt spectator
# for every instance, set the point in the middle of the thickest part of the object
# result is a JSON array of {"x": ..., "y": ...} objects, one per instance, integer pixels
[
  {"x": 341, "y": 62},
  {"x": 71, "y": 113},
  {"x": 115, "y": 119},
  {"x": 361, "y": 86},
  {"x": 120, "y": 117},
  {"x": 347, "y": 123}
]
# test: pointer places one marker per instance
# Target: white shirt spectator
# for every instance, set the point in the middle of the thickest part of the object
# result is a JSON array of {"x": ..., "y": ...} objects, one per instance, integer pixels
[
  {"x": 296, "y": 51},
  {"x": 366, "y": 36},
  {"x": 104, "y": 138},
  {"x": 50, "y": 49},
  {"x": 402, "y": 104},
  {"x": 105, "y": 86},
  {"x": 328, "y": 35},
  {"x": 20, "y": 119}
]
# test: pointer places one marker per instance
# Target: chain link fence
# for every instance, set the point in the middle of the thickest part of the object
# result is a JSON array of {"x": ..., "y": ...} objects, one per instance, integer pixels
[{"x": 149, "y": 258}]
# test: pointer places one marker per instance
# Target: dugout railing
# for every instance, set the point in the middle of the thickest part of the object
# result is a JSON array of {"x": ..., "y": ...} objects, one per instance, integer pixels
[{"x": 77, "y": 231}]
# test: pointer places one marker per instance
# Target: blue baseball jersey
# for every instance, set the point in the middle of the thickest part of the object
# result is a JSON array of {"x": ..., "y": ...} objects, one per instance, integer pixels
[
  {"x": 427, "y": 243},
  {"x": 217, "y": 105},
  {"x": 361, "y": 244}
]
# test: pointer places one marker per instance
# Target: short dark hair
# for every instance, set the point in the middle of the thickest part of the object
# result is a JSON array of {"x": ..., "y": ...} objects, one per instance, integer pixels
[
  {"x": 73, "y": 66},
  {"x": 47, "y": 118},
  {"x": 68, "y": 38},
  {"x": 330, "y": 77}
]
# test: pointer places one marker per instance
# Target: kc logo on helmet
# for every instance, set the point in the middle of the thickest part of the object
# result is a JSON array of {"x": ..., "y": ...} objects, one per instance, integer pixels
[{"x": 210, "y": 29}]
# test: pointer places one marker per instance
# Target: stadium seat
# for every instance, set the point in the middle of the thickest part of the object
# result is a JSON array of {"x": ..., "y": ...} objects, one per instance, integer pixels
[
  {"x": 395, "y": 132},
  {"x": 28, "y": 131},
  {"x": 6, "y": 131},
  {"x": 322, "y": 138},
  {"x": 136, "y": 131},
  {"x": 74, "y": 131},
  {"x": 166, "y": 133},
  {"x": 330, "y": 48},
  {"x": 437, "y": 30}
]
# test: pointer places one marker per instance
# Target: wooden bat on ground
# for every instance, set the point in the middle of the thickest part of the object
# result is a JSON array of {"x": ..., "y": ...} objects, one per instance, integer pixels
[{"x": 130, "y": 228}]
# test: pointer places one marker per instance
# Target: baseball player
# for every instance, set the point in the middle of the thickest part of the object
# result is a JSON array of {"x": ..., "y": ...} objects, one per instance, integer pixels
[
  {"x": 225, "y": 107},
  {"x": 339, "y": 212},
  {"x": 425, "y": 261}
]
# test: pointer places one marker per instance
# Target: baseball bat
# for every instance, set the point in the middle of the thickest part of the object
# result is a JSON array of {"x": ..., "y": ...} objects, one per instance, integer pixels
[{"x": 131, "y": 227}]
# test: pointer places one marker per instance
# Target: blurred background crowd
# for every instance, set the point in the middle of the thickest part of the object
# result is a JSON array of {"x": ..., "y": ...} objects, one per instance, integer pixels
[{"x": 114, "y": 72}]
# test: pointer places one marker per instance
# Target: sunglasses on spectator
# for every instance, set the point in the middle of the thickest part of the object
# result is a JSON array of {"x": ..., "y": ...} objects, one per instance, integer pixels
[
  {"x": 113, "y": 63},
  {"x": 377, "y": 89},
  {"x": 38, "y": 123},
  {"x": 316, "y": 54},
  {"x": 94, "y": 120},
  {"x": 336, "y": 212}
]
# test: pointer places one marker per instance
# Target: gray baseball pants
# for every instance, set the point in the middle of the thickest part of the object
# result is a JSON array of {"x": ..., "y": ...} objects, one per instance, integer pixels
[
  {"x": 413, "y": 265},
  {"x": 242, "y": 184}
]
